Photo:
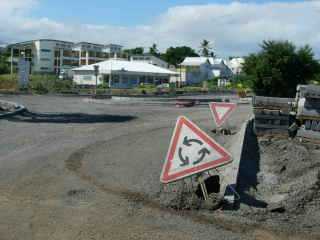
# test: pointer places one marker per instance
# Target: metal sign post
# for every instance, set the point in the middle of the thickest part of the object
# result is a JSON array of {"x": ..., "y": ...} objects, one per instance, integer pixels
[{"x": 203, "y": 187}]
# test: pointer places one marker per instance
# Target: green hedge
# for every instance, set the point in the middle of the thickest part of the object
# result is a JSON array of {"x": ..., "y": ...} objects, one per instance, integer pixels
[{"x": 39, "y": 83}]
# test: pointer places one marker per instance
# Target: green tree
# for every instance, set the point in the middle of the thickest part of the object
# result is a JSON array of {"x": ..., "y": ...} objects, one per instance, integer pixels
[
  {"x": 4, "y": 66},
  {"x": 134, "y": 51},
  {"x": 175, "y": 55},
  {"x": 153, "y": 50},
  {"x": 279, "y": 67},
  {"x": 206, "y": 49}
]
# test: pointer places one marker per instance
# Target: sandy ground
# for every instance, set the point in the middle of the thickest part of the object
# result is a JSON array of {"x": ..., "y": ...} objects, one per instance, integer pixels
[{"x": 91, "y": 171}]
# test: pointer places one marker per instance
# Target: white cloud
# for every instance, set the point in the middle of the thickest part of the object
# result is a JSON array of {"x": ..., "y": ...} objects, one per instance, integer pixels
[
  {"x": 16, "y": 6},
  {"x": 234, "y": 28}
]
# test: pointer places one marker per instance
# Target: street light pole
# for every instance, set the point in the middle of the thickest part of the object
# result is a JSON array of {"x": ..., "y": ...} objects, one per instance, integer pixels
[
  {"x": 180, "y": 82},
  {"x": 110, "y": 78},
  {"x": 96, "y": 73}
]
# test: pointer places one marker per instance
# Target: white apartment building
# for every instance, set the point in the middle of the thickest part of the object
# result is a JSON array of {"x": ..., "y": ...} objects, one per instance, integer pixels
[
  {"x": 52, "y": 56},
  {"x": 148, "y": 58}
]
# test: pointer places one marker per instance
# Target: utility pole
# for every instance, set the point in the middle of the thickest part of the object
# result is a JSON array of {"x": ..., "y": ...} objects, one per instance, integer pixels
[
  {"x": 11, "y": 62},
  {"x": 110, "y": 78},
  {"x": 180, "y": 82},
  {"x": 96, "y": 73}
]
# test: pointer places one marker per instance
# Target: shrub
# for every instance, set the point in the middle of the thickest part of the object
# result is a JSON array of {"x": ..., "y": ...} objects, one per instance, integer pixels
[
  {"x": 38, "y": 86},
  {"x": 63, "y": 85}
]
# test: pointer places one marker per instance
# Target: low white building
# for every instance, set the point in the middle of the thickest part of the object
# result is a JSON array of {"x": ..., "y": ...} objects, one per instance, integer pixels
[
  {"x": 148, "y": 58},
  {"x": 236, "y": 65},
  {"x": 197, "y": 69},
  {"x": 122, "y": 74},
  {"x": 220, "y": 69}
]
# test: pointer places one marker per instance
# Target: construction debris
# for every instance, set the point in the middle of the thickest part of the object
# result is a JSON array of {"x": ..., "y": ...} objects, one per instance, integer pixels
[
  {"x": 271, "y": 113},
  {"x": 307, "y": 106},
  {"x": 299, "y": 116}
]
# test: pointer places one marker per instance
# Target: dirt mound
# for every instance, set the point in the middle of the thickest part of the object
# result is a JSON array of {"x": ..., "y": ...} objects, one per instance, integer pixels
[
  {"x": 286, "y": 159},
  {"x": 304, "y": 199},
  {"x": 289, "y": 180}
]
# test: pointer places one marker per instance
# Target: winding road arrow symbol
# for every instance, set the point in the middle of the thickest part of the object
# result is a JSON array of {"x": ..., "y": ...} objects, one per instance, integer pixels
[
  {"x": 203, "y": 153},
  {"x": 185, "y": 161},
  {"x": 188, "y": 142}
]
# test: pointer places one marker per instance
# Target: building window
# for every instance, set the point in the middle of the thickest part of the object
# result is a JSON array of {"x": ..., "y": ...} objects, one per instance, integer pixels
[
  {"x": 115, "y": 79},
  {"x": 67, "y": 53},
  {"x": 92, "y": 54},
  {"x": 143, "y": 79},
  {"x": 106, "y": 78},
  {"x": 83, "y": 54},
  {"x": 56, "y": 62},
  {"x": 125, "y": 79},
  {"x": 68, "y": 62},
  {"x": 45, "y": 50},
  {"x": 44, "y": 68},
  {"x": 86, "y": 77},
  {"x": 150, "y": 79},
  {"x": 56, "y": 54},
  {"x": 134, "y": 81},
  {"x": 45, "y": 59}
]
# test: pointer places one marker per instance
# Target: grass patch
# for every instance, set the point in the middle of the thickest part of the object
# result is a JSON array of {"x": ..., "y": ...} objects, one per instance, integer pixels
[
  {"x": 8, "y": 82},
  {"x": 39, "y": 84}
]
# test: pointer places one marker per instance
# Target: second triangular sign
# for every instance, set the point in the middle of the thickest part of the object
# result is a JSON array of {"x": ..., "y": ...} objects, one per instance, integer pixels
[{"x": 221, "y": 111}]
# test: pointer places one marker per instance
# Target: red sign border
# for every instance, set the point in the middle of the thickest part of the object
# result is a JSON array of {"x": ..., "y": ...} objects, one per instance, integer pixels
[
  {"x": 166, "y": 178},
  {"x": 219, "y": 122}
]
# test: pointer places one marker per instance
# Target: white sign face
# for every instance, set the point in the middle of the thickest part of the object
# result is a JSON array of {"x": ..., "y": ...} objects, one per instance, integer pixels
[
  {"x": 191, "y": 151},
  {"x": 221, "y": 111}
]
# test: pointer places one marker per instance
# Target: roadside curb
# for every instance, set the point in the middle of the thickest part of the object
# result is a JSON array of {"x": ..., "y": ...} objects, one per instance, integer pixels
[
  {"x": 17, "y": 108},
  {"x": 167, "y": 101}
]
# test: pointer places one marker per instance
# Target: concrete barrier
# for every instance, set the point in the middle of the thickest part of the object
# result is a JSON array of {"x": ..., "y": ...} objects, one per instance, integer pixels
[{"x": 229, "y": 173}]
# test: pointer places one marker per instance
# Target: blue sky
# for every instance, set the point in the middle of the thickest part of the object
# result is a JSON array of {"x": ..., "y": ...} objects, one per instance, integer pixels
[
  {"x": 117, "y": 12},
  {"x": 234, "y": 28}
]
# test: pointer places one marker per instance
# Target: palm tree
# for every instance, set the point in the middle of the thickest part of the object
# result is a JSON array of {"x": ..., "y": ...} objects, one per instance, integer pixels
[
  {"x": 205, "y": 48},
  {"x": 154, "y": 50}
]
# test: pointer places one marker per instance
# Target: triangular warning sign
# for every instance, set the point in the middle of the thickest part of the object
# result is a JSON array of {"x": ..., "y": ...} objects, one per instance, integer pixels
[
  {"x": 221, "y": 111},
  {"x": 191, "y": 151}
]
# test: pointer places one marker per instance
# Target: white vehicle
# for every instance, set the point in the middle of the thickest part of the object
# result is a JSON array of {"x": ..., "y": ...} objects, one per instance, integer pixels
[
  {"x": 62, "y": 74},
  {"x": 308, "y": 107}
]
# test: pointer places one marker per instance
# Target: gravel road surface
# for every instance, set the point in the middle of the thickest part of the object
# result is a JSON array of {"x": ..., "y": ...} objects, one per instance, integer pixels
[{"x": 71, "y": 169}]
